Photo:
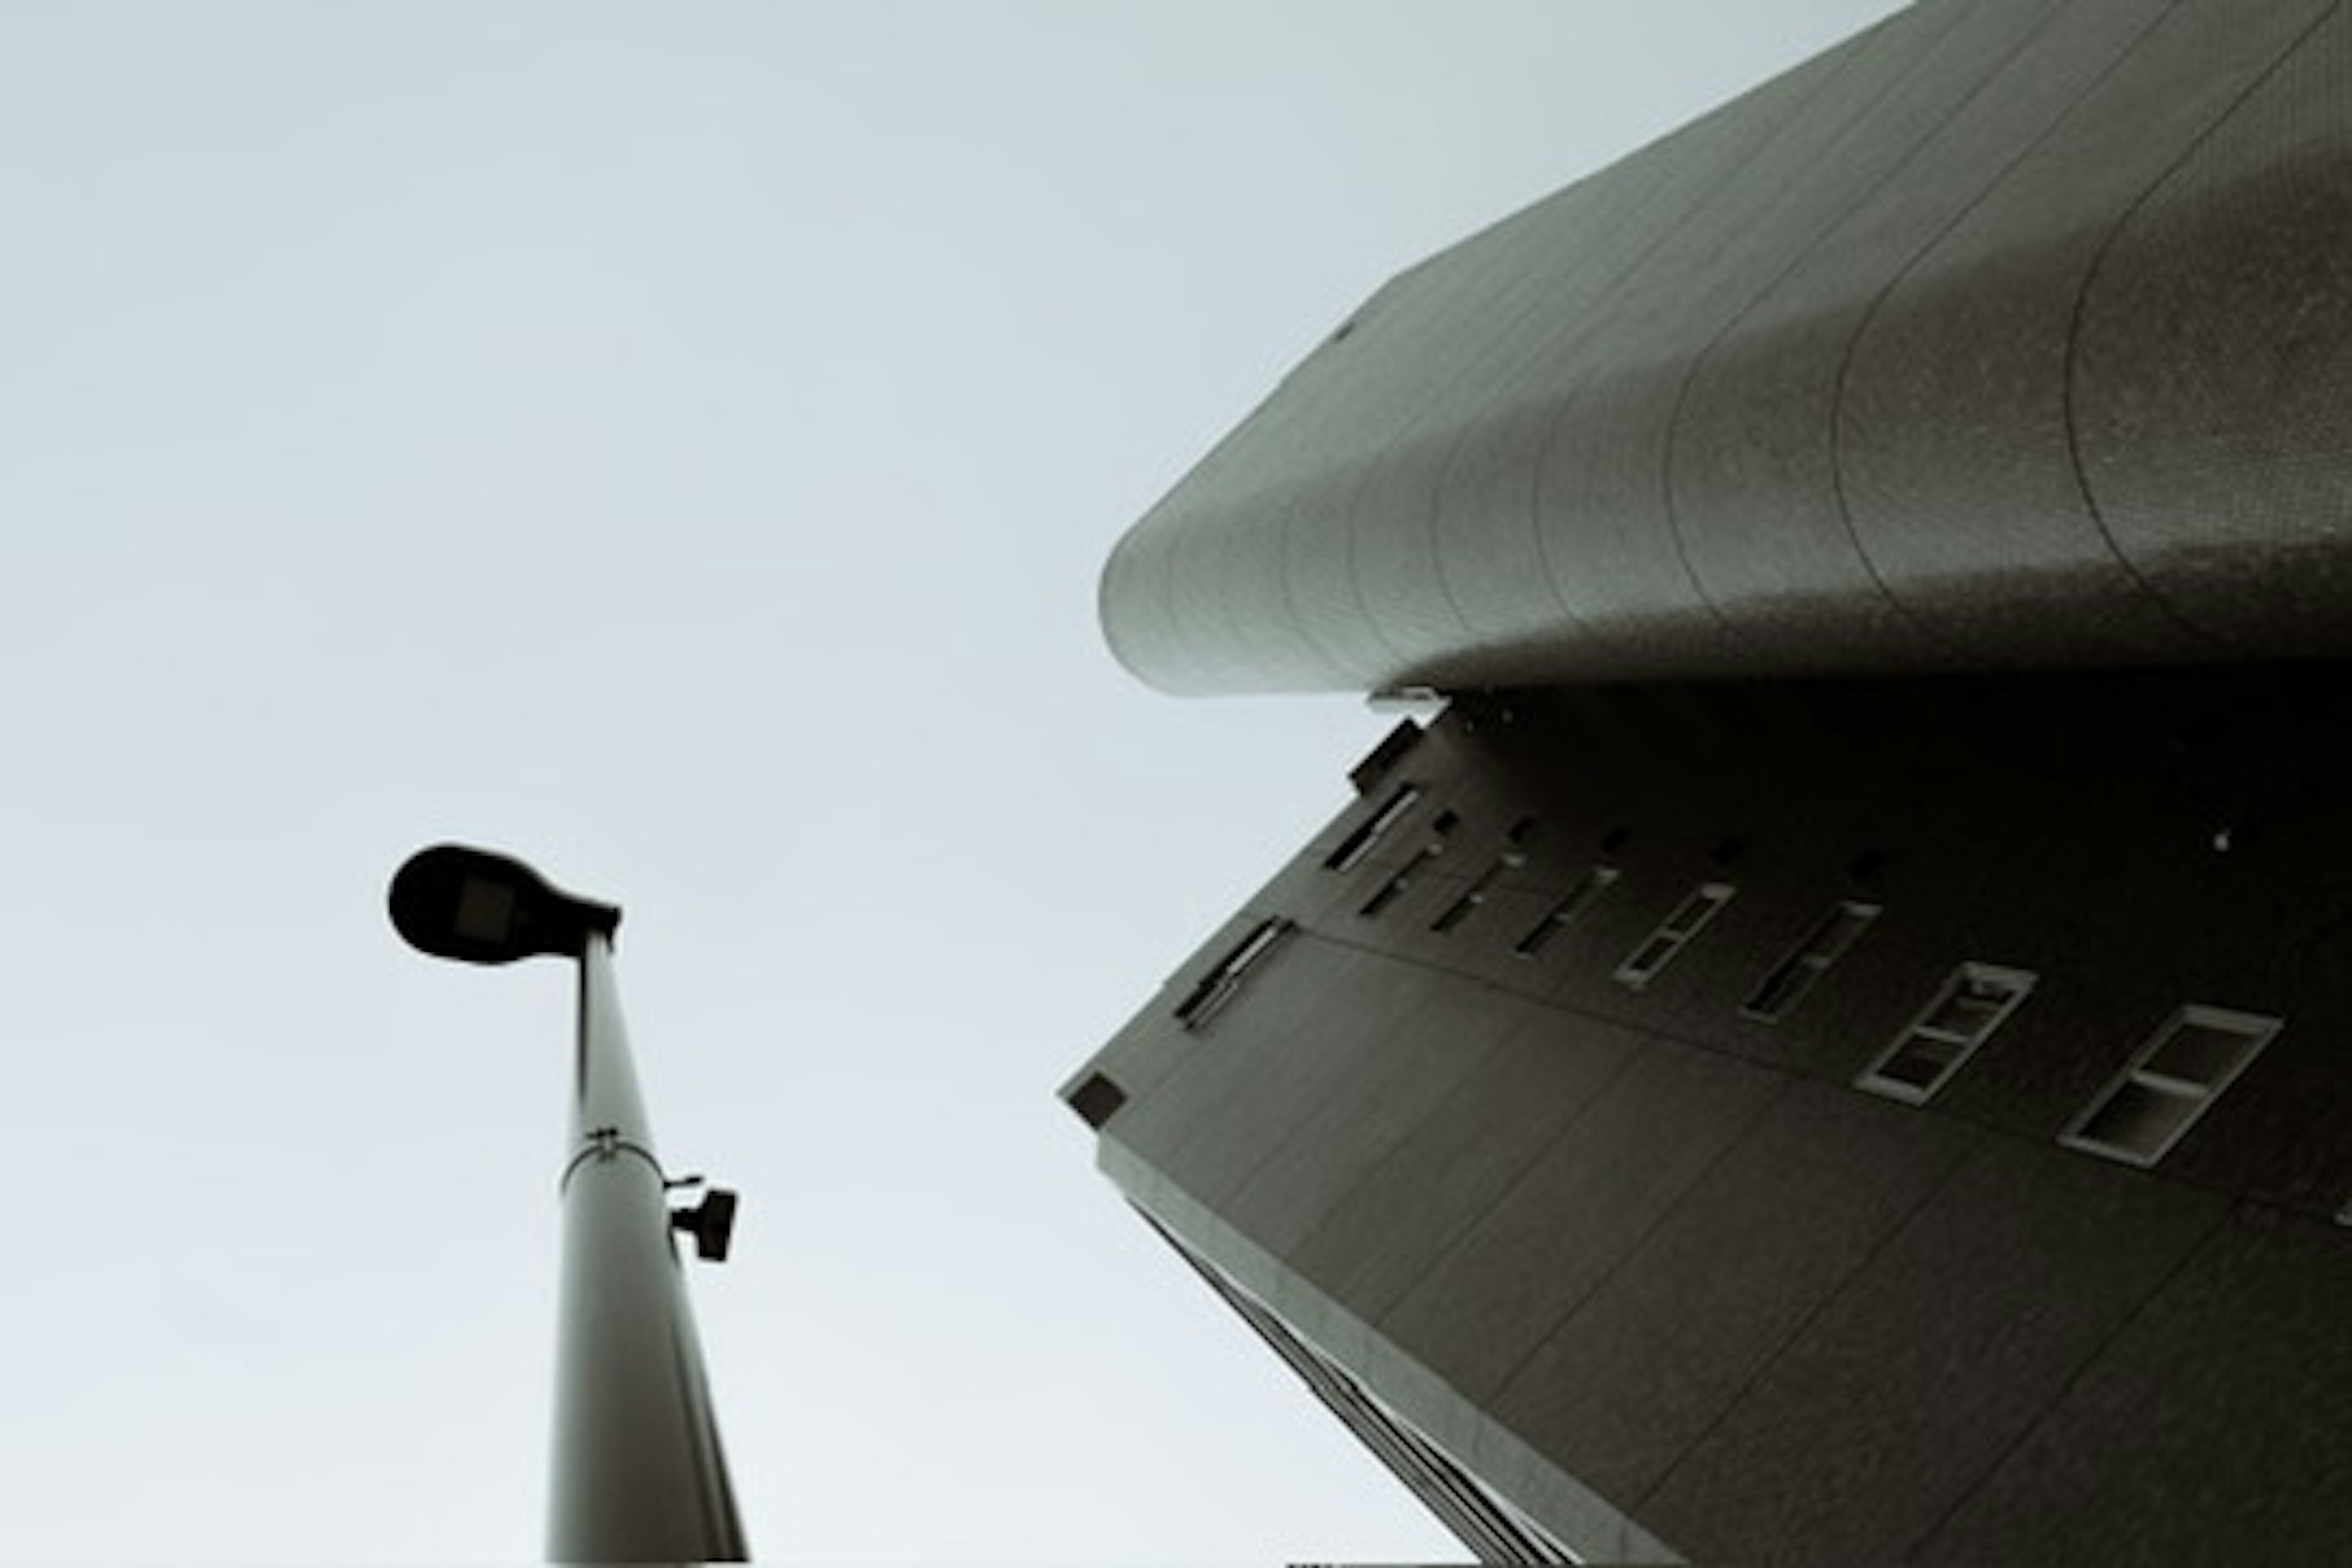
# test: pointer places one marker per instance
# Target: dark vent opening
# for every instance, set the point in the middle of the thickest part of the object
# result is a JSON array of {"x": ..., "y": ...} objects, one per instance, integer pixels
[{"x": 1096, "y": 1100}]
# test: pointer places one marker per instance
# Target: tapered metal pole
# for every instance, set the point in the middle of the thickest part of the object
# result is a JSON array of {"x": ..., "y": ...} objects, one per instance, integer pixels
[{"x": 639, "y": 1475}]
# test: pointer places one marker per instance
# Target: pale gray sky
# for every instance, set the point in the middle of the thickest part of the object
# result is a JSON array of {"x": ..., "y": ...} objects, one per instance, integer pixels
[{"x": 675, "y": 443}]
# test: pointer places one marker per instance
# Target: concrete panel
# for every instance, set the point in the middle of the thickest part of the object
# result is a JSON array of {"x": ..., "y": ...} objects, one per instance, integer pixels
[
  {"x": 1993, "y": 315},
  {"x": 1558, "y": 1231},
  {"x": 2212, "y": 1429},
  {"x": 1153, "y": 1047},
  {"x": 1503, "y": 280},
  {"x": 1753, "y": 470},
  {"x": 1646, "y": 1367},
  {"x": 2215, "y": 345},
  {"x": 1260, "y": 1044},
  {"x": 1955, "y": 434},
  {"x": 1603, "y": 503},
  {"x": 1284, "y": 1065},
  {"x": 1413, "y": 1058},
  {"x": 1456, "y": 1165},
  {"x": 1911, "y": 1385}
]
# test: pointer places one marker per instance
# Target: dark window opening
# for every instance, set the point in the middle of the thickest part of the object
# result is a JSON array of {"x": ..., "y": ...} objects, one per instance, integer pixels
[
  {"x": 1823, "y": 946},
  {"x": 1358, "y": 844},
  {"x": 1218, "y": 986},
  {"x": 1563, "y": 914},
  {"x": 1096, "y": 1100},
  {"x": 1475, "y": 894}
]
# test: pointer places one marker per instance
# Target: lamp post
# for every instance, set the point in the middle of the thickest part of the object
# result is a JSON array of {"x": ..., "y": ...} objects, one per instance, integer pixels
[{"x": 638, "y": 1473}]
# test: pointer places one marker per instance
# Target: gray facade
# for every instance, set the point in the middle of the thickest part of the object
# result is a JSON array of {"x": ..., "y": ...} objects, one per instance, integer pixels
[
  {"x": 1837, "y": 1046},
  {"x": 1677, "y": 1272},
  {"x": 2009, "y": 332}
]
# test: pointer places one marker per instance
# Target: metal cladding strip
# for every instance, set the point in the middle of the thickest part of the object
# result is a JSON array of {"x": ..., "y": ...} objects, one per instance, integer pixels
[{"x": 2005, "y": 333}]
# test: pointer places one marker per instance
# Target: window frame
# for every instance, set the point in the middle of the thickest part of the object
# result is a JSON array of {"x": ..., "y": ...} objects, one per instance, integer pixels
[
  {"x": 1475, "y": 894},
  {"x": 1875, "y": 1078},
  {"x": 1796, "y": 975},
  {"x": 1711, "y": 896},
  {"x": 1570, "y": 908},
  {"x": 1354, "y": 849},
  {"x": 2254, "y": 1030},
  {"x": 1210, "y": 994}
]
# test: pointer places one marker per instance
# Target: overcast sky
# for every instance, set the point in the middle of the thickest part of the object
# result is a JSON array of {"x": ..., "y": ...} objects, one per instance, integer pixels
[{"x": 675, "y": 443}]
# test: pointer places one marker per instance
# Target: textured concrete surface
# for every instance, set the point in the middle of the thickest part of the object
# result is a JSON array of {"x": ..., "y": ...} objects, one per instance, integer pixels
[
  {"x": 1656, "y": 1270},
  {"x": 2009, "y": 333}
]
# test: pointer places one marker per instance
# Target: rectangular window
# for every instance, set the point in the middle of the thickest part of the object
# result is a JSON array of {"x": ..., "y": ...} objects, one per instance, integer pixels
[
  {"x": 2170, "y": 1083},
  {"x": 1972, "y": 1003},
  {"x": 1358, "y": 844},
  {"x": 1689, "y": 918},
  {"x": 1218, "y": 986},
  {"x": 1823, "y": 946},
  {"x": 1476, "y": 893},
  {"x": 1564, "y": 913}
]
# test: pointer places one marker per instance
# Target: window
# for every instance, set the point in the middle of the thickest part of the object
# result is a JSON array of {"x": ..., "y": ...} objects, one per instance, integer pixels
[
  {"x": 1564, "y": 913},
  {"x": 1689, "y": 918},
  {"x": 1218, "y": 986},
  {"x": 1358, "y": 844},
  {"x": 1823, "y": 946},
  {"x": 1476, "y": 893},
  {"x": 2170, "y": 1083},
  {"x": 1394, "y": 887},
  {"x": 1972, "y": 1003}
]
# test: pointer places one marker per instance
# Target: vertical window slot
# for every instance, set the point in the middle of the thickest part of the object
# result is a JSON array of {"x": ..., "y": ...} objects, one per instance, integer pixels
[
  {"x": 1823, "y": 945},
  {"x": 1394, "y": 887},
  {"x": 1473, "y": 896},
  {"x": 1563, "y": 914},
  {"x": 1219, "y": 986},
  {"x": 1358, "y": 844}
]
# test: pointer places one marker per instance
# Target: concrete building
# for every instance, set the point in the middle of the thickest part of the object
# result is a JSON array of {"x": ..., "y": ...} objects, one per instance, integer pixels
[{"x": 1837, "y": 1045}]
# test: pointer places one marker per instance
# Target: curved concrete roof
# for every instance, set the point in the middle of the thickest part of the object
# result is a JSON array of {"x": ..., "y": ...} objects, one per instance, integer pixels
[{"x": 2009, "y": 332}]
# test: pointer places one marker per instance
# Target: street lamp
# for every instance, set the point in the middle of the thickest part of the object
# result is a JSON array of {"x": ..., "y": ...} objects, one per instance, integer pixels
[{"x": 638, "y": 1473}]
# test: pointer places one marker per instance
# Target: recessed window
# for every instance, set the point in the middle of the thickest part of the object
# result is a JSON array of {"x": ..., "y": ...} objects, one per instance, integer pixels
[
  {"x": 2170, "y": 1083},
  {"x": 1358, "y": 844},
  {"x": 1473, "y": 896},
  {"x": 1394, "y": 887},
  {"x": 1972, "y": 1003},
  {"x": 1690, "y": 917},
  {"x": 1823, "y": 946},
  {"x": 1563, "y": 914},
  {"x": 1219, "y": 986}
]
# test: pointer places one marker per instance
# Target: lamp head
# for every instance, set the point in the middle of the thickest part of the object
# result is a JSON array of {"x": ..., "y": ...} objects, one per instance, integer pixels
[{"x": 477, "y": 907}]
